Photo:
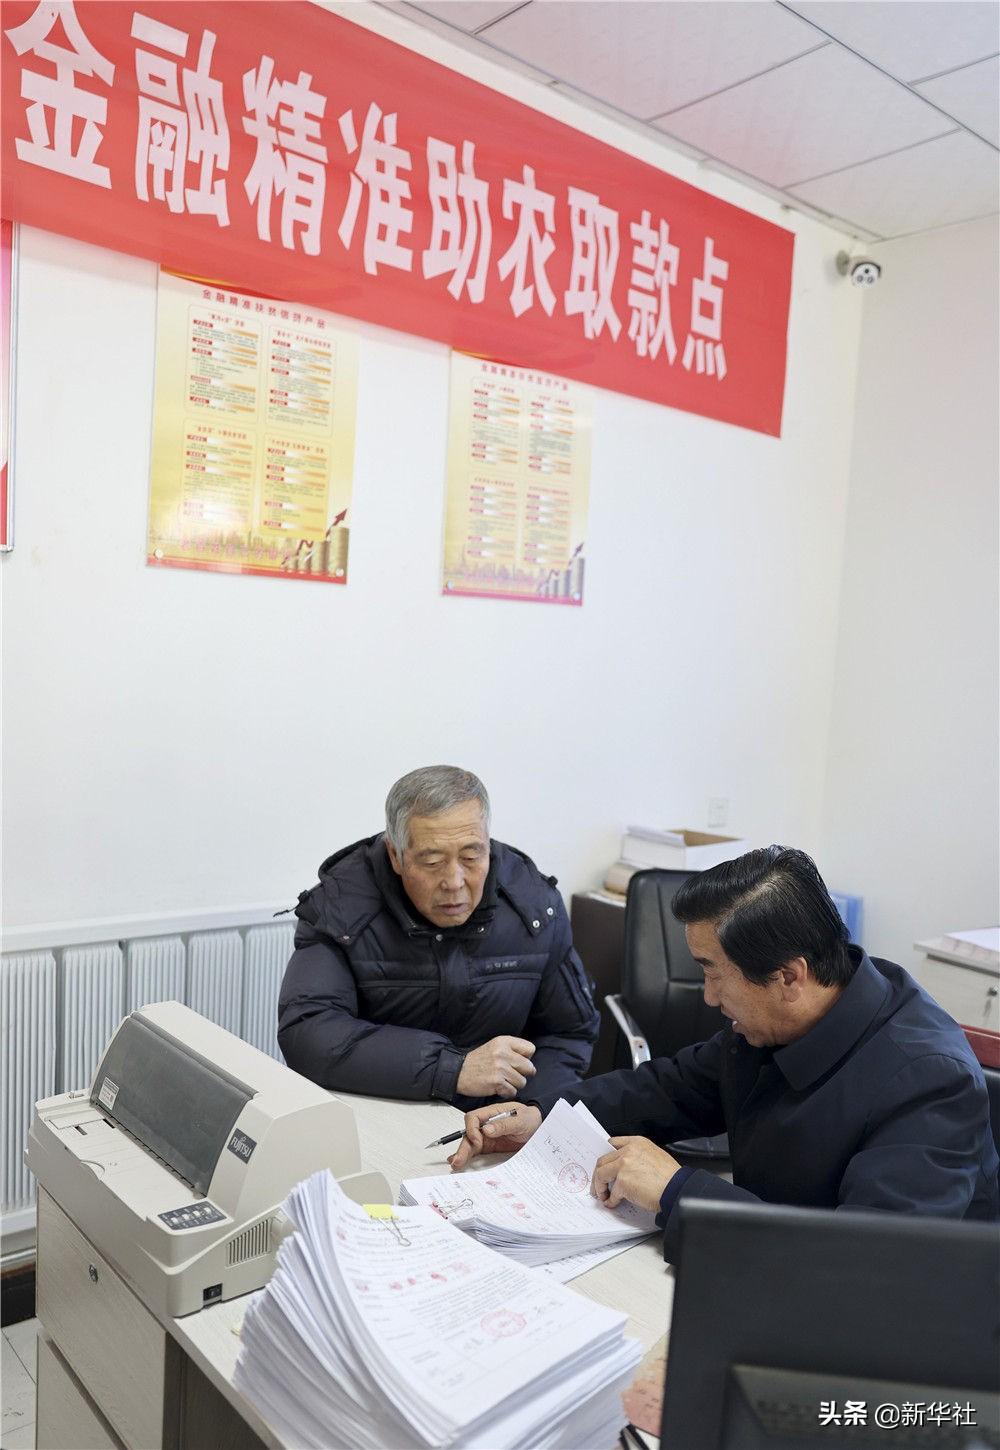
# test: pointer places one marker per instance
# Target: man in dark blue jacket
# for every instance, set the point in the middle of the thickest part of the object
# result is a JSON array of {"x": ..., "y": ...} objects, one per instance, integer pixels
[
  {"x": 840, "y": 1082},
  {"x": 432, "y": 962}
]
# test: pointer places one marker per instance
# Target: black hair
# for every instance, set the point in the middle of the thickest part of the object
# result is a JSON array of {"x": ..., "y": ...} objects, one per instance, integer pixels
[{"x": 768, "y": 907}]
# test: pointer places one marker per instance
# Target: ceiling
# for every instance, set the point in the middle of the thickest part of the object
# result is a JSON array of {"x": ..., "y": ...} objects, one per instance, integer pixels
[{"x": 880, "y": 115}]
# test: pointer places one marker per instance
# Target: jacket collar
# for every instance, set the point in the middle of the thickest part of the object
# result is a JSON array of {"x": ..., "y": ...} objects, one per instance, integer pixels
[
  {"x": 806, "y": 1060},
  {"x": 522, "y": 886},
  {"x": 347, "y": 896}
]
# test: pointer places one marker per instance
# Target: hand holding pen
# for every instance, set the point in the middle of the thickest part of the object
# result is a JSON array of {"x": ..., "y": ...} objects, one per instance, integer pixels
[
  {"x": 454, "y": 1137},
  {"x": 486, "y": 1133}
]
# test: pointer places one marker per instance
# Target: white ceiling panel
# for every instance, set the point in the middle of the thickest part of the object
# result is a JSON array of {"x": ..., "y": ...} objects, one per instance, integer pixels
[
  {"x": 910, "y": 38},
  {"x": 950, "y": 180},
  {"x": 467, "y": 15},
  {"x": 455, "y": 35},
  {"x": 758, "y": 91},
  {"x": 614, "y": 113},
  {"x": 971, "y": 95},
  {"x": 648, "y": 56},
  {"x": 814, "y": 115}
]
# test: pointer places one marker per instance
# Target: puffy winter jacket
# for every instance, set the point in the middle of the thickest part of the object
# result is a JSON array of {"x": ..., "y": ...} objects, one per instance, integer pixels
[{"x": 377, "y": 1000}]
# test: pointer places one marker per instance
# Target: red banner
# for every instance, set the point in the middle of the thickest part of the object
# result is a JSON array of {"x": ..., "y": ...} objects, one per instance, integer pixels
[
  {"x": 282, "y": 149},
  {"x": 6, "y": 380}
]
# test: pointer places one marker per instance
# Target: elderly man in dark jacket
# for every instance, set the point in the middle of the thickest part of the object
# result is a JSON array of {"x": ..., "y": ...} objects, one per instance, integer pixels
[{"x": 433, "y": 962}]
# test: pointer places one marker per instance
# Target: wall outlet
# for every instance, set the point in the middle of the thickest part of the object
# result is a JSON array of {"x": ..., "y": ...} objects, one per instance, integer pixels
[{"x": 718, "y": 811}]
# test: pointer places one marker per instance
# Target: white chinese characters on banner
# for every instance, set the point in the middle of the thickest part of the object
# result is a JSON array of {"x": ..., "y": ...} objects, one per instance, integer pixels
[
  {"x": 182, "y": 159},
  {"x": 531, "y": 248},
  {"x": 171, "y": 135},
  {"x": 654, "y": 271},
  {"x": 709, "y": 356},
  {"x": 55, "y": 102},
  {"x": 455, "y": 231},
  {"x": 377, "y": 169},
  {"x": 284, "y": 117},
  {"x": 594, "y": 229}
]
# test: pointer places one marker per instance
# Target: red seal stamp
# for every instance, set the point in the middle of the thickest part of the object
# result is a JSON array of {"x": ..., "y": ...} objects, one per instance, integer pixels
[
  {"x": 573, "y": 1178},
  {"x": 502, "y": 1323}
]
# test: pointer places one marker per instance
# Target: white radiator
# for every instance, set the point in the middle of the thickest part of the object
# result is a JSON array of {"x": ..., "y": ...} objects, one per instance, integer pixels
[
  {"x": 266, "y": 953},
  {"x": 154, "y": 971},
  {"x": 28, "y": 1022},
  {"x": 60, "y": 1009},
  {"x": 91, "y": 1009},
  {"x": 215, "y": 977}
]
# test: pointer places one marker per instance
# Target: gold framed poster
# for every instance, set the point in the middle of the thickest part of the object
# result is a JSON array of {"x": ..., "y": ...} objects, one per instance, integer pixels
[{"x": 253, "y": 434}]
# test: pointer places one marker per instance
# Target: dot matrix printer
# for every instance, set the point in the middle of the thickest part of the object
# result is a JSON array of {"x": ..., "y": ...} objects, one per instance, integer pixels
[{"x": 176, "y": 1162}]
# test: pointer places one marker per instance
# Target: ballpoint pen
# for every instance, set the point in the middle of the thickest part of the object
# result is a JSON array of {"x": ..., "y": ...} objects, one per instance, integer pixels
[
  {"x": 630, "y": 1437},
  {"x": 454, "y": 1137}
]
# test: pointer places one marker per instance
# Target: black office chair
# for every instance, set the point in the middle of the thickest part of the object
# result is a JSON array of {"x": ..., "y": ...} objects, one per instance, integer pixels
[
  {"x": 661, "y": 1007},
  {"x": 992, "y": 1076}
]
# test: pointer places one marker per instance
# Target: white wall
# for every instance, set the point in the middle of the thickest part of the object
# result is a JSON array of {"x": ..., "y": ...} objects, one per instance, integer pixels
[
  {"x": 911, "y": 815},
  {"x": 176, "y": 739}
]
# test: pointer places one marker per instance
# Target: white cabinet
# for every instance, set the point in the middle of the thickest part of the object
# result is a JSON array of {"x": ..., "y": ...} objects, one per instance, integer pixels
[
  {"x": 110, "y": 1375},
  {"x": 970, "y": 996},
  {"x": 105, "y": 1335},
  {"x": 67, "y": 1417},
  {"x": 962, "y": 972}
]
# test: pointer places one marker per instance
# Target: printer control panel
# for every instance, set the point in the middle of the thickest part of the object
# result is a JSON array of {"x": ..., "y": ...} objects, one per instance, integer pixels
[{"x": 192, "y": 1215}]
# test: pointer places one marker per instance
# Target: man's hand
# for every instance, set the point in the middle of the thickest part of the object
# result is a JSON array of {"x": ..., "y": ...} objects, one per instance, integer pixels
[
  {"x": 500, "y": 1068},
  {"x": 637, "y": 1171},
  {"x": 481, "y": 1136}
]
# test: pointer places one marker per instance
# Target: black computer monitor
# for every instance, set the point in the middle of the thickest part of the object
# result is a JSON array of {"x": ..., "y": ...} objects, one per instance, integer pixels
[{"x": 781, "y": 1312}]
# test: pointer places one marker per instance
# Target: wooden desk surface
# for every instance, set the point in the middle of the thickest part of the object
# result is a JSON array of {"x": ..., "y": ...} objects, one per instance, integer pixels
[{"x": 393, "y": 1134}]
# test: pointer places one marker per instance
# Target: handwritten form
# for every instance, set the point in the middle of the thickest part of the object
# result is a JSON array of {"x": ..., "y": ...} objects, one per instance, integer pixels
[
  {"x": 537, "y": 1207},
  {"x": 403, "y": 1331}
]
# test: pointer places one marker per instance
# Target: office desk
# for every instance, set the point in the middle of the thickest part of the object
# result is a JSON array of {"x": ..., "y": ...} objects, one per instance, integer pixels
[{"x": 200, "y": 1405}]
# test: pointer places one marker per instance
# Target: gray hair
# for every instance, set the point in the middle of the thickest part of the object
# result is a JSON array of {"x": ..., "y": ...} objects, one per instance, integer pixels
[{"x": 427, "y": 792}]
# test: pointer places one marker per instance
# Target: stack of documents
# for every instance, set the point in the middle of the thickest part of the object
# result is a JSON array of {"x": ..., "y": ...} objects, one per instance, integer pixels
[
  {"x": 537, "y": 1206},
  {"x": 385, "y": 1326}
]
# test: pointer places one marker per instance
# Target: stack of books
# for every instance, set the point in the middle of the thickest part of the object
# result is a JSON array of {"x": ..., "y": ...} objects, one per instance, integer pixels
[
  {"x": 676, "y": 849},
  {"x": 385, "y": 1326}
]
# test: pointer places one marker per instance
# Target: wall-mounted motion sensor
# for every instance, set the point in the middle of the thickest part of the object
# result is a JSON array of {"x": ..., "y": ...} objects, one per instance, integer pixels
[{"x": 863, "y": 271}]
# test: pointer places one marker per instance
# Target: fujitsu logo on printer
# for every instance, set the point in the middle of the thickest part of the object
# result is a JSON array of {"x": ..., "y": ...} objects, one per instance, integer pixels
[{"x": 241, "y": 1145}]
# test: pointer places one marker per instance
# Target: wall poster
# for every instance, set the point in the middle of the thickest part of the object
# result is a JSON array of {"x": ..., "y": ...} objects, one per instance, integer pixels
[
  {"x": 517, "y": 483},
  {"x": 253, "y": 434}
]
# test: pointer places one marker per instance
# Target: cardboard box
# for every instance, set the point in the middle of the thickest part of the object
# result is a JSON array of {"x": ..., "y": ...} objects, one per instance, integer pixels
[{"x": 679, "y": 848}]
